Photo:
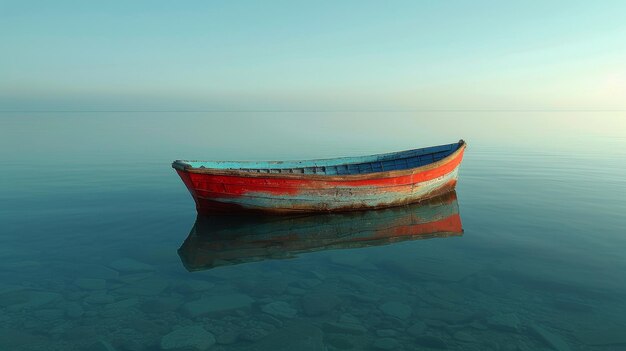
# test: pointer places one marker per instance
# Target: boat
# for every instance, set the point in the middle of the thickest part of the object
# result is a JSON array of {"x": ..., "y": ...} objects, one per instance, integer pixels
[
  {"x": 226, "y": 240},
  {"x": 328, "y": 185}
]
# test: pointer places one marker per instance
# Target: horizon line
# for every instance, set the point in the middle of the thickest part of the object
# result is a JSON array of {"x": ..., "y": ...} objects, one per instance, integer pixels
[{"x": 313, "y": 110}]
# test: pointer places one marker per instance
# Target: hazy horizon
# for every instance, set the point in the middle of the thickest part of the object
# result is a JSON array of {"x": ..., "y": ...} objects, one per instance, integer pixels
[{"x": 353, "y": 55}]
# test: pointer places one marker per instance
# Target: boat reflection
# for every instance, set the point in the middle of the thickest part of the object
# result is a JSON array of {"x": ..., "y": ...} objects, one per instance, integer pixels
[{"x": 228, "y": 240}]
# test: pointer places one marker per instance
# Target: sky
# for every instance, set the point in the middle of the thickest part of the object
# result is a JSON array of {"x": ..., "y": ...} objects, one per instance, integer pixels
[{"x": 312, "y": 55}]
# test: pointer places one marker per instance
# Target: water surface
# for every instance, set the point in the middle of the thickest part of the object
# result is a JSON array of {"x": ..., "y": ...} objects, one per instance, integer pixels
[{"x": 94, "y": 217}]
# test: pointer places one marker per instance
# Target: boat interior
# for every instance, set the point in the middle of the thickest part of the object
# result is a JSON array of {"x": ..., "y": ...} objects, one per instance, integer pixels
[{"x": 336, "y": 166}]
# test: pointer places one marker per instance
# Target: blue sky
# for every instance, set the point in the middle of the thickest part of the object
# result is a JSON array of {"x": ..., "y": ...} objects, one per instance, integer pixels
[{"x": 310, "y": 55}]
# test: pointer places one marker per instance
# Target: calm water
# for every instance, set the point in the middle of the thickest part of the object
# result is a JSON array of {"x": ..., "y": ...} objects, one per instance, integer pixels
[{"x": 93, "y": 218}]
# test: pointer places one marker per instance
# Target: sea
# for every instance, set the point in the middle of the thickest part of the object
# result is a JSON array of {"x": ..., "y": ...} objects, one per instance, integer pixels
[{"x": 101, "y": 248}]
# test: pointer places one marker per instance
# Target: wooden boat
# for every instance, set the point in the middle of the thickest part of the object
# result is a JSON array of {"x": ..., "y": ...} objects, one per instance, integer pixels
[
  {"x": 339, "y": 184},
  {"x": 216, "y": 241}
]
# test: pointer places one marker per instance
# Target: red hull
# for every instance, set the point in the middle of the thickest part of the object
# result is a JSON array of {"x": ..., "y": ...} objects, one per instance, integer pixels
[{"x": 232, "y": 190}]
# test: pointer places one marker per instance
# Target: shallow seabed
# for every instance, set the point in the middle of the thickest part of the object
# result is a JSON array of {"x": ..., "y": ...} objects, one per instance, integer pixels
[{"x": 89, "y": 261}]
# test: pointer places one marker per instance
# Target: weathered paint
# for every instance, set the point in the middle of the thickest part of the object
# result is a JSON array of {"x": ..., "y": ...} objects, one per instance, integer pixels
[
  {"x": 226, "y": 189},
  {"x": 339, "y": 166},
  {"x": 226, "y": 240}
]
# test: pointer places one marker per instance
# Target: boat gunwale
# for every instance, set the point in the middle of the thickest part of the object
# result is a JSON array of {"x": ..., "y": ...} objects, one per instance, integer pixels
[{"x": 373, "y": 175}]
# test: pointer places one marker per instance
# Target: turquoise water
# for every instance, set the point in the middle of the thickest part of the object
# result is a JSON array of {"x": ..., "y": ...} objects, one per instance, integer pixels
[{"x": 93, "y": 218}]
